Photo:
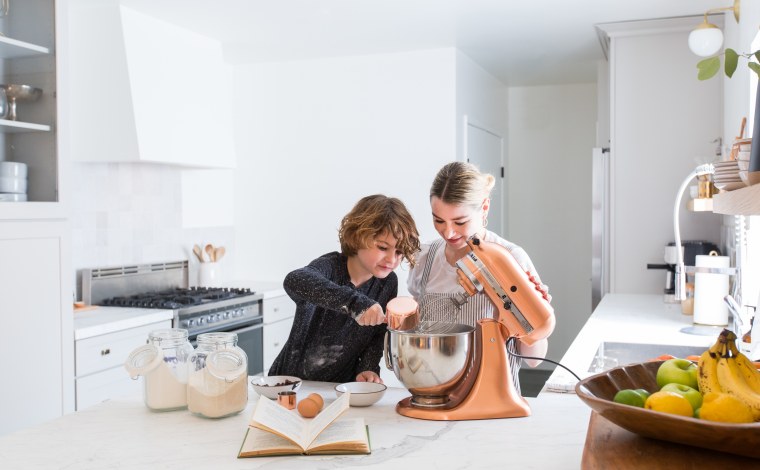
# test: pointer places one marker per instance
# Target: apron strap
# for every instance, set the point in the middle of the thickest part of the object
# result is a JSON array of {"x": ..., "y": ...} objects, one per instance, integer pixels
[{"x": 434, "y": 247}]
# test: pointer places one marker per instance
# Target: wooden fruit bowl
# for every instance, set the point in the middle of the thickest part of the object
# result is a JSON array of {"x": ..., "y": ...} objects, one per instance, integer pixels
[{"x": 598, "y": 391}]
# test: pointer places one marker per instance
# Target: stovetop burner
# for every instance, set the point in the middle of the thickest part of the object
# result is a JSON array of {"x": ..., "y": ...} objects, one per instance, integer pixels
[{"x": 178, "y": 297}]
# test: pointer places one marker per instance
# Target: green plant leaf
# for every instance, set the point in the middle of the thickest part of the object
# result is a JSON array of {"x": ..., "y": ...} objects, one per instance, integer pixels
[
  {"x": 755, "y": 67},
  {"x": 708, "y": 67},
  {"x": 732, "y": 60},
  {"x": 757, "y": 55}
]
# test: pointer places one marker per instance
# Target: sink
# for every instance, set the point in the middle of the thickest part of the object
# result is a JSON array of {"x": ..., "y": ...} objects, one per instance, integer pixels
[{"x": 611, "y": 354}]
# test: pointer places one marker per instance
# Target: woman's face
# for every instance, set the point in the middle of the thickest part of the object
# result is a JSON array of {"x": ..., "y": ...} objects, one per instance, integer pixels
[
  {"x": 455, "y": 223},
  {"x": 381, "y": 257}
]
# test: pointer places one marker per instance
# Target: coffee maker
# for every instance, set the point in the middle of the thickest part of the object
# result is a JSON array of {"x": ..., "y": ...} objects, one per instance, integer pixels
[{"x": 690, "y": 251}]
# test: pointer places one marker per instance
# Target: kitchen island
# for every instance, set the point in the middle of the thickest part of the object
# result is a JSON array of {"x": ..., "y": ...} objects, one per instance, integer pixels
[{"x": 124, "y": 434}]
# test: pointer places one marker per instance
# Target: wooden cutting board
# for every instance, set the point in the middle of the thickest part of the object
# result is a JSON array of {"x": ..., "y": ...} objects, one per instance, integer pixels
[{"x": 610, "y": 446}]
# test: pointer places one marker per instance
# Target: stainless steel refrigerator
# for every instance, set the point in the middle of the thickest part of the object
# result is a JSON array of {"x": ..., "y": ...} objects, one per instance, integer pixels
[{"x": 600, "y": 226}]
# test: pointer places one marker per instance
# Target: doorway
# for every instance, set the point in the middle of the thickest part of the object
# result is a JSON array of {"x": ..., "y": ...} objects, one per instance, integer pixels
[{"x": 484, "y": 148}]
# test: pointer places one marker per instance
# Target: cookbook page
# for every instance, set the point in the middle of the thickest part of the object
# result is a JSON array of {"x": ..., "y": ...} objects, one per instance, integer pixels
[{"x": 271, "y": 416}]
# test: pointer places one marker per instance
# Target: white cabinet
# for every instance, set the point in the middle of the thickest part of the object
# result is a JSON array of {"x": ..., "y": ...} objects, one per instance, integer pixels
[
  {"x": 28, "y": 56},
  {"x": 147, "y": 90},
  {"x": 100, "y": 373},
  {"x": 37, "y": 369},
  {"x": 278, "y": 319}
]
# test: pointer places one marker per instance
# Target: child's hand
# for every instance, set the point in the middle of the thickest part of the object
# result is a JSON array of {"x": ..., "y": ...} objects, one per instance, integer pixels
[
  {"x": 368, "y": 376},
  {"x": 372, "y": 316}
]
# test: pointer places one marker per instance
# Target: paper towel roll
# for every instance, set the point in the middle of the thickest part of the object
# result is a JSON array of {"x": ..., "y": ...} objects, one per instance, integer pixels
[{"x": 709, "y": 290}]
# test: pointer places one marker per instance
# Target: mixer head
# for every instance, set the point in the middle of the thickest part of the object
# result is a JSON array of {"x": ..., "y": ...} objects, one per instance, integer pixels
[{"x": 521, "y": 308}]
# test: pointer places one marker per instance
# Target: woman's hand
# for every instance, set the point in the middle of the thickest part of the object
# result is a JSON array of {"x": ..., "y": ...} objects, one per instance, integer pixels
[
  {"x": 372, "y": 316},
  {"x": 369, "y": 376},
  {"x": 542, "y": 288}
]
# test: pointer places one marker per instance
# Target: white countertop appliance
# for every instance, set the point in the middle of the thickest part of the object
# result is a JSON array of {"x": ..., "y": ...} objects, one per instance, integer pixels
[{"x": 196, "y": 309}]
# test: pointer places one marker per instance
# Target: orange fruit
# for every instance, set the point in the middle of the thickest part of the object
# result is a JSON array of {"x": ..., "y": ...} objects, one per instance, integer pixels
[
  {"x": 725, "y": 408},
  {"x": 669, "y": 402}
]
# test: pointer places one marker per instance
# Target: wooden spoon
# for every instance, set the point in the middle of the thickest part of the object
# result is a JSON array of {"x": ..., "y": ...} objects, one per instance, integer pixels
[
  {"x": 210, "y": 252},
  {"x": 198, "y": 253},
  {"x": 219, "y": 253}
]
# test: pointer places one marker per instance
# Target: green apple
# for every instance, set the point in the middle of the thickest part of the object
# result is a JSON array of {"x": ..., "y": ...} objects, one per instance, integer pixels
[
  {"x": 630, "y": 397},
  {"x": 678, "y": 371},
  {"x": 643, "y": 392},
  {"x": 693, "y": 395}
]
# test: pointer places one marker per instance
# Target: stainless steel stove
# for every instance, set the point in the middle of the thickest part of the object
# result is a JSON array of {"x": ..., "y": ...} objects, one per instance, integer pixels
[{"x": 196, "y": 309}]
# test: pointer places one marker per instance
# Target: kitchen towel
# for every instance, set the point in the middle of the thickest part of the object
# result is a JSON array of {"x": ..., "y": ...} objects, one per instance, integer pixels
[{"x": 709, "y": 291}]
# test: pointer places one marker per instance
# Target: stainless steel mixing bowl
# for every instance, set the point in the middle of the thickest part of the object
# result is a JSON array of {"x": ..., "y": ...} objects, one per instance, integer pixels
[{"x": 429, "y": 364}]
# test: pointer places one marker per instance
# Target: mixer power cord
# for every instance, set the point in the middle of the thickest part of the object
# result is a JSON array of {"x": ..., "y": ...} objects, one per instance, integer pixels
[{"x": 512, "y": 339}]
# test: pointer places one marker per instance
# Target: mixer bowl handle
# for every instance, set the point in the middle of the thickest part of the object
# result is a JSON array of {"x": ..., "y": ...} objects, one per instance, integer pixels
[{"x": 386, "y": 350}]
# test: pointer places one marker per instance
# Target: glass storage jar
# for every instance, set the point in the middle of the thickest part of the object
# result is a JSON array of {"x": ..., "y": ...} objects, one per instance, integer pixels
[
  {"x": 163, "y": 365},
  {"x": 218, "y": 376}
]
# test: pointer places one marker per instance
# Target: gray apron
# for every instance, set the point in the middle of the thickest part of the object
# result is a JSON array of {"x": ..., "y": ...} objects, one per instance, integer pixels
[{"x": 458, "y": 308}]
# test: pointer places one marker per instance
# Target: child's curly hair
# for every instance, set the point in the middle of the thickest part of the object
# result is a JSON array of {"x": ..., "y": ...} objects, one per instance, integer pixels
[{"x": 371, "y": 217}]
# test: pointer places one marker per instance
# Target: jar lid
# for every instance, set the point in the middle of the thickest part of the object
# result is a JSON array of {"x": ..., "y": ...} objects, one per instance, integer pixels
[
  {"x": 143, "y": 360},
  {"x": 227, "y": 364}
]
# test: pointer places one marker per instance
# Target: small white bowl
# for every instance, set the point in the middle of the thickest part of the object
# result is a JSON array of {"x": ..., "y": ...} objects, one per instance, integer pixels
[
  {"x": 268, "y": 386},
  {"x": 362, "y": 393},
  {"x": 10, "y": 184},
  {"x": 13, "y": 169}
]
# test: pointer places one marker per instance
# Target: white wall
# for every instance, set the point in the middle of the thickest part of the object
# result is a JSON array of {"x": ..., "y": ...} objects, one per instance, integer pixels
[
  {"x": 483, "y": 99},
  {"x": 315, "y": 136},
  {"x": 551, "y": 134}
]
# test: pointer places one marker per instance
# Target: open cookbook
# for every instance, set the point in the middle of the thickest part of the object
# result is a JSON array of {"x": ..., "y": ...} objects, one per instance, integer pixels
[{"x": 274, "y": 430}]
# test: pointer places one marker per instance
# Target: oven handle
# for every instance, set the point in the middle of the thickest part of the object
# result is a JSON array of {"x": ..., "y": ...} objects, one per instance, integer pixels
[{"x": 248, "y": 328}]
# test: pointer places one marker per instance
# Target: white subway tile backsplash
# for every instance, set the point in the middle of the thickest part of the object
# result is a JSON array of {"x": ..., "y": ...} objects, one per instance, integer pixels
[{"x": 125, "y": 213}]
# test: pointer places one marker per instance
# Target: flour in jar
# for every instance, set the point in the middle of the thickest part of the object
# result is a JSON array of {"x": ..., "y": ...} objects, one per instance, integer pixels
[
  {"x": 213, "y": 397},
  {"x": 166, "y": 387}
]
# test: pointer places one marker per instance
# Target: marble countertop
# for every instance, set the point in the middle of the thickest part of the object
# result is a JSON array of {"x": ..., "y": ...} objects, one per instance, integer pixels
[
  {"x": 123, "y": 433},
  {"x": 267, "y": 289},
  {"x": 103, "y": 320}
]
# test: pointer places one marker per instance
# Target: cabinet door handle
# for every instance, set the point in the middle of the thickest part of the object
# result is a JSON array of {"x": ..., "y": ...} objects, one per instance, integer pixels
[
  {"x": 277, "y": 309},
  {"x": 105, "y": 352},
  {"x": 276, "y": 344}
]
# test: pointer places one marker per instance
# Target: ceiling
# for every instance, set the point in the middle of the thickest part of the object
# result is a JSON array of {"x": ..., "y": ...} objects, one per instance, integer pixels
[{"x": 522, "y": 43}]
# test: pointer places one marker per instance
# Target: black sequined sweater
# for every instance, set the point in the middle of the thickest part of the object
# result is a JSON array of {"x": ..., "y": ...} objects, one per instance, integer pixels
[{"x": 325, "y": 342}]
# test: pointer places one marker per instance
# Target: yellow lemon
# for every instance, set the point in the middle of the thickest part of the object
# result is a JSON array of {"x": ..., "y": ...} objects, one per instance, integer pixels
[
  {"x": 725, "y": 408},
  {"x": 669, "y": 402}
]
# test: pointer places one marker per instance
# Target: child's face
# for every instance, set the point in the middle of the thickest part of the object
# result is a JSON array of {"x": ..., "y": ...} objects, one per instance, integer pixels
[
  {"x": 455, "y": 223},
  {"x": 381, "y": 257}
]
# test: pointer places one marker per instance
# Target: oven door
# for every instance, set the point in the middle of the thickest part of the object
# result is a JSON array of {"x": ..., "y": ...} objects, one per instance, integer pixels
[{"x": 251, "y": 340}]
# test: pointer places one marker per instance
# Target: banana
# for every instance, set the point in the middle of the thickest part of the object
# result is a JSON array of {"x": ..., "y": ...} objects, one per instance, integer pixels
[
  {"x": 745, "y": 367},
  {"x": 707, "y": 377},
  {"x": 732, "y": 382}
]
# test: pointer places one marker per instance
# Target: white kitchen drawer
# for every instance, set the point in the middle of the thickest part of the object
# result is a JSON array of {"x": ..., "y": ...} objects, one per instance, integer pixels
[
  {"x": 275, "y": 335},
  {"x": 109, "y": 350},
  {"x": 111, "y": 383},
  {"x": 278, "y": 308}
]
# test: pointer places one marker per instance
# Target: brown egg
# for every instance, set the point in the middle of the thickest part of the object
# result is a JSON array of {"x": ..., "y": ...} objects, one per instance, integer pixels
[
  {"x": 308, "y": 408},
  {"x": 317, "y": 399}
]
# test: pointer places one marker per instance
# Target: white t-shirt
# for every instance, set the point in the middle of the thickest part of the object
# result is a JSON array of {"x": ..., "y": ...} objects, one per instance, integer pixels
[{"x": 443, "y": 276}]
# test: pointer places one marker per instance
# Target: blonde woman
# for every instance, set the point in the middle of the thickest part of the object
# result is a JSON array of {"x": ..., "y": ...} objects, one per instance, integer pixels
[{"x": 460, "y": 200}]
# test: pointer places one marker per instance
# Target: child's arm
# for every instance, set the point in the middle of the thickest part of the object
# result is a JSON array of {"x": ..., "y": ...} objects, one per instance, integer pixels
[{"x": 314, "y": 284}]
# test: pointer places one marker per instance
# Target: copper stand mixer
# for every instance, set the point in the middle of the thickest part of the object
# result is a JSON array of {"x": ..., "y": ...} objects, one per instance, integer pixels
[{"x": 453, "y": 376}]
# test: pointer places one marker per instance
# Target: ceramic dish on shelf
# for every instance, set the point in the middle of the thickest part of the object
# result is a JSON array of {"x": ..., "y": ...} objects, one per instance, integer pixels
[
  {"x": 13, "y": 169},
  {"x": 10, "y": 184},
  {"x": 12, "y": 197},
  {"x": 272, "y": 385},
  {"x": 362, "y": 393},
  {"x": 598, "y": 391},
  {"x": 731, "y": 186}
]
